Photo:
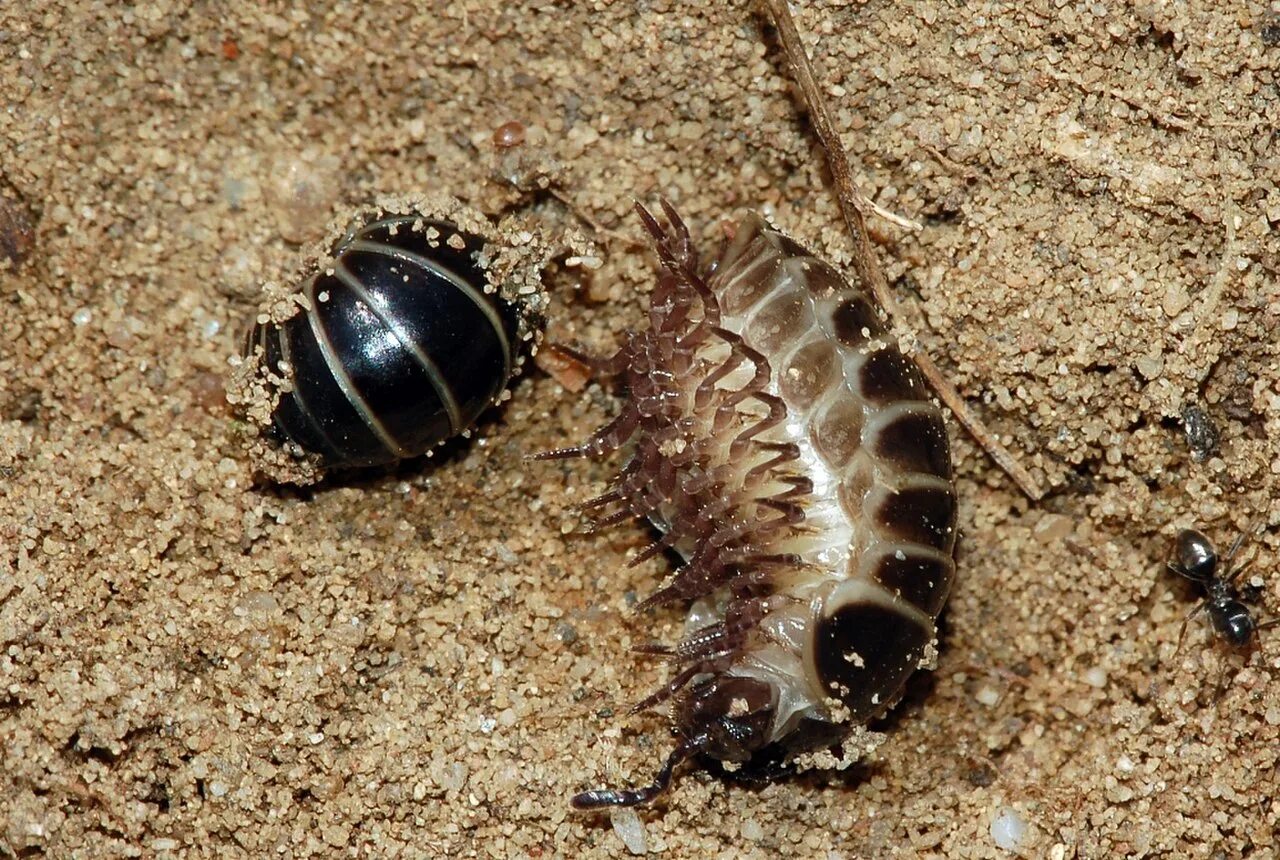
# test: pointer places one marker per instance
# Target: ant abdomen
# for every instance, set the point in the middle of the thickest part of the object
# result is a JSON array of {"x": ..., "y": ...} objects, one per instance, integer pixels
[{"x": 1196, "y": 558}]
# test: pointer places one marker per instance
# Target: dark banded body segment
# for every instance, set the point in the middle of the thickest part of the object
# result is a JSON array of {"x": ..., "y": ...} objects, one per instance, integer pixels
[
  {"x": 402, "y": 344},
  {"x": 921, "y": 512},
  {"x": 865, "y": 644},
  {"x": 920, "y": 576},
  {"x": 854, "y": 321},
  {"x": 885, "y": 377},
  {"x": 909, "y": 437}
]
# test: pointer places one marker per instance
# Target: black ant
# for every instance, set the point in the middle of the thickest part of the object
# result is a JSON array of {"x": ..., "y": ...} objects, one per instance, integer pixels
[{"x": 1196, "y": 558}]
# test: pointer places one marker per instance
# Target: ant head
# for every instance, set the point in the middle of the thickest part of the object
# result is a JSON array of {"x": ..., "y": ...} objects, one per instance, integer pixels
[{"x": 1194, "y": 556}]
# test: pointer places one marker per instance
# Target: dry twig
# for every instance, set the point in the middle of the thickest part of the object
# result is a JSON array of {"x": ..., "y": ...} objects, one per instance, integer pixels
[{"x": 855, "y": 206}]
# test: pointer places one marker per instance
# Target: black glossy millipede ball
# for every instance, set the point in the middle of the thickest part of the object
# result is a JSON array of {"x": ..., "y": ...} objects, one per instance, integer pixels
[{"x": 401, "y": 343}]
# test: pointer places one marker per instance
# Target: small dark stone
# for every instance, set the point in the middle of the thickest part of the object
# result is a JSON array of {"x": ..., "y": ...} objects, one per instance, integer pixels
[
  {"x": 1202, "y": 436},
  {"x": 17, "y": 229},
  {"x": 24, "y": 406},
  {"x": 980, "y": 776}
]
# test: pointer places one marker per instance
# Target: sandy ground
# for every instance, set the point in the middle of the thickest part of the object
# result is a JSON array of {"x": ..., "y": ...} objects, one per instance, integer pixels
[{"x": 426, "y": 662}]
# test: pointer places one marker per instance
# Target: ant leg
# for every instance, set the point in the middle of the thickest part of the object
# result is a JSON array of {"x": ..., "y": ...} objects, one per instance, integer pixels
[
  {"x": 1195, "y": 610},
  {"x": 1224, "y": 680},
  {"x": 1239, "y": 542},
  {"x": 1231, "y": 577},
  {"x": 1235, "y": 546}
]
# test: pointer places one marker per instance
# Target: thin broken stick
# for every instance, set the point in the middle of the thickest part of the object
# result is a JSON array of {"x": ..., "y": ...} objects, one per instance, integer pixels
[
  {"x": 855, "y": 206},
  {"x": 596, "y": 226}
]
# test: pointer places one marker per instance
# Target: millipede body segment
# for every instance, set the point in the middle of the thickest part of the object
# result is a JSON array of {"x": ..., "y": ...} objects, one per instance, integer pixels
[{"x": 789, "y": 453}]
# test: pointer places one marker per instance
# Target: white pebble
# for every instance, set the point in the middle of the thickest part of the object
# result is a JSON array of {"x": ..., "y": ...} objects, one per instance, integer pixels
[
  {"x": 1096, "y": 677},
  {"x": 630, "y": 829},
  {"x": 82, "y": 317},
  {"x": 987, "y": 695},
  {"x": 305, "y": 189},
  {"x": 1008, "y": 829},
  {"x": 1150, "y": 366},
  {"x": 454, "y": 777}
]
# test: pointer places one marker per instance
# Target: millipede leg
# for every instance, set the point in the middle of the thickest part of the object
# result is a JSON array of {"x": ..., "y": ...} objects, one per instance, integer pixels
[{"x": 667, "y": 690}]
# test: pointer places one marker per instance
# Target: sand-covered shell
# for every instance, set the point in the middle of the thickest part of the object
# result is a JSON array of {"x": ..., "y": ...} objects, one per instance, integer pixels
[{"x": 399, "y": 340}]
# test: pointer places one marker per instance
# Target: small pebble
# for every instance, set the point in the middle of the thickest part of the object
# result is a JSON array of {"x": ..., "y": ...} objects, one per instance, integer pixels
[
  {"x": 303, "y": 194},
  {"x": 1202, "y": 436},
  {"x": 1176, "y": 299},
  {"x": 1008, "y": 830},
  {"x": 509, "y": 134},
  {"x": 630, "y": 829},
  {"x": 17, "y": 230},
  {"x": 453, "y": 777},
  {"x": 1052, "y": 528},
  {"x": 1150, "y": 366}
]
